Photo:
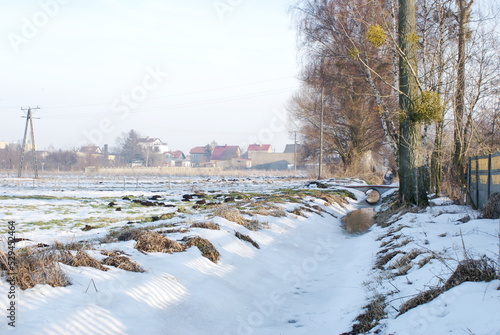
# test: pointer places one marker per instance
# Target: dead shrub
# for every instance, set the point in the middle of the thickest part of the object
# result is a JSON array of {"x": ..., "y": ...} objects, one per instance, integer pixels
[
  {"x": 207, "y": 249},
  {"x": 206, "y": 225},
  {"x": 150, "y": 241},
  {"x": 34, "y": 267},
  {"x": 123, "y": 262},
  {"x": 247, "y": 238},
  {"x": 492, "y": 207}
]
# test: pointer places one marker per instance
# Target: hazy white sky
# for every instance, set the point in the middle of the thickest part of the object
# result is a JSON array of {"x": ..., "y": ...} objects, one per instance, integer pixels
[{"x": 188, "y": 72}]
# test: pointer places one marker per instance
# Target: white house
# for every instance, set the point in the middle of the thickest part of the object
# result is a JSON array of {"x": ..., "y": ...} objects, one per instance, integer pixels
[{"x": 153, "y": 145}]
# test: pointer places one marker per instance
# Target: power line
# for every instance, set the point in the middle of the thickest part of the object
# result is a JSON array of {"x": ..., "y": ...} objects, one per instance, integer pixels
[
  {"x": 181, "y": 105},
  {"x": 175, "y": 95}
]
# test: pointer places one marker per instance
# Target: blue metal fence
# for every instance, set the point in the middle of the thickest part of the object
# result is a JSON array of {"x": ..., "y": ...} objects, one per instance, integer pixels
[{"x": 483, "y": 178}]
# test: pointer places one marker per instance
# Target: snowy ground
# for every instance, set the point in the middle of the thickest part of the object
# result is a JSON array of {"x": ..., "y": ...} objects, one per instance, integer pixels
[{"x": 308, "y": 277}]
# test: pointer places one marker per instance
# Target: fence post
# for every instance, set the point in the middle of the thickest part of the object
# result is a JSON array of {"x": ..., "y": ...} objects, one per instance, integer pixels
[
  {"x": 490, "y": 181},
  {"x": 477, "y": 182},
  {"x": 469, "y": 182}
]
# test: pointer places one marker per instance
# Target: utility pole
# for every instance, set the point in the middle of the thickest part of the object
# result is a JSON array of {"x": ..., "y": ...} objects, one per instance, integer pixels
[
  {"x": 29, "y": 122},
  {"x": 320, "y": 169}
]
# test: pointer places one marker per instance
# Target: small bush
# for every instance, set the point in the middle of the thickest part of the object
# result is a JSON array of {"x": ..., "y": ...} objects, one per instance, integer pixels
[{"x": 207, "y": 249}]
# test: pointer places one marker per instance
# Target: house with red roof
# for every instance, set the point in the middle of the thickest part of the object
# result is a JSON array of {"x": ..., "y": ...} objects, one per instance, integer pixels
[
  {"x": 256, "y": 148},
  {"x": 200, "y": 156},
  {"x": 222, "y": 155},
  {"x": 260, "y": 147},
  {"x": 175, "y": 158}
]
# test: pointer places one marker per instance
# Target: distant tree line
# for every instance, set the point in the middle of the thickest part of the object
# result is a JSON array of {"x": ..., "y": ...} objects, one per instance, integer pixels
[{"x": 126, "y": 152}]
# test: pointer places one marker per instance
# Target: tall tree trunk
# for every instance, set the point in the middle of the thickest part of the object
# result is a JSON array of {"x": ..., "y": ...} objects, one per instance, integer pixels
[
  {"x": 411, "y": 171},
  {"x": 459, "y": 134},
  {"x": 437, "y": 159}
]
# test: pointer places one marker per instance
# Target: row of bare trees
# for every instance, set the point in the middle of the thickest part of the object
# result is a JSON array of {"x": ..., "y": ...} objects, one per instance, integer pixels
[
  {"x": 127, "y": 151},
  {"x": 420, "y": 79}
]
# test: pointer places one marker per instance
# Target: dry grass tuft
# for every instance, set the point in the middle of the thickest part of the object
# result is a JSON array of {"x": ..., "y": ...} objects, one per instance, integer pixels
[
  {"x": 231, "y": 214},
  {"x": 373, "y": 313},
  {"x": 234, "y": 215},
  {"x": 82, "y": 258},
  {"x": 403, "y": 263},
  {"x": 150, "y": 241},
  {"x": 358, "y": 221},
  {"x": 423, "y": 262},
  {"x": 247, "y": 238},
  {"x": 422, "y": 298},
  {"x": 123, "y": 262},
  {"x": 206, "y": 225},
  {"x": 266, "y": 209},
  {"x": 473, "y": 270},
  {"x": 34, "y": 267},
  {"x": 299, "y": 211},
  {"x": 383, "y": 259},
  {"x": 207, "y": 249},
  {"x": 72, "y": 246}
]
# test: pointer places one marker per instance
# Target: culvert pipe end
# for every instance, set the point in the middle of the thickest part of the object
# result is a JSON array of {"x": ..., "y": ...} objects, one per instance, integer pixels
[{"x": 372, "y": 196}]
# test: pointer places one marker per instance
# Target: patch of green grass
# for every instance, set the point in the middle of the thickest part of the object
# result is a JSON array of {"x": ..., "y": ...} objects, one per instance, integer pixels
[{"x": 50, "y": 223}]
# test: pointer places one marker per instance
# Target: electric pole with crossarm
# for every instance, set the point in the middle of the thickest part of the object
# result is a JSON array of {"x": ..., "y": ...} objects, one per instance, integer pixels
[{"x": 29, "y": 123}]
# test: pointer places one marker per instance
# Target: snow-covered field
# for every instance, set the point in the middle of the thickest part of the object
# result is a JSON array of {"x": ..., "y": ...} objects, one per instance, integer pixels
[{"x": 308, "y": 275}]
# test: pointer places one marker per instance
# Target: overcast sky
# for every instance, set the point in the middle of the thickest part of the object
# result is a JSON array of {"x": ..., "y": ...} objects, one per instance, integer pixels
[{"x": 187, "y": 72}]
